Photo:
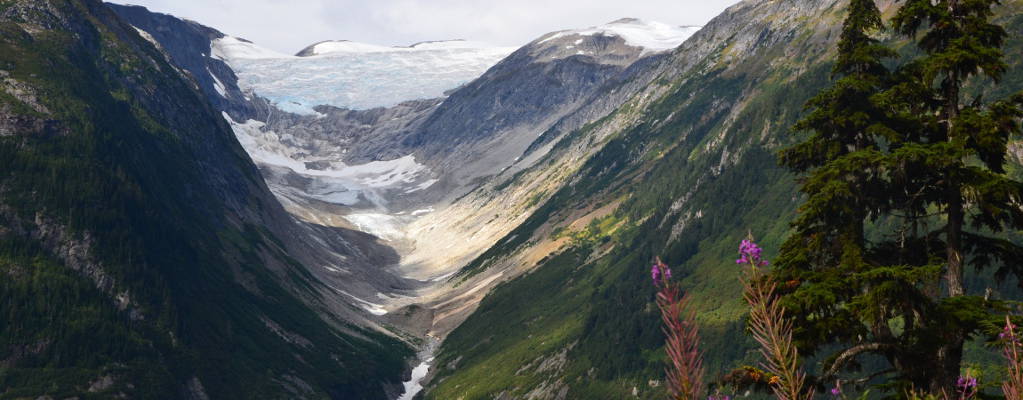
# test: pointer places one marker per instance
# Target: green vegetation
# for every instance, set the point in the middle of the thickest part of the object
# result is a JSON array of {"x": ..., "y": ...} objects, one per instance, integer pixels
[
  {"x": 134, "y": 170},
  {"x": 906, "y": 185},
  {"x": 702, "y": 160}
]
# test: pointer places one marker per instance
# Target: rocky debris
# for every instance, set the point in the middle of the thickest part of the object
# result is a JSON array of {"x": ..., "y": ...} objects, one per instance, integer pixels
[
  {"x": 102, "y": 383},
  {"x": 289, "y": 337},
  {"x": 193, "y": 390},
  {"x": 23, "y": 92},
  {"x": 14, "y": 124}
]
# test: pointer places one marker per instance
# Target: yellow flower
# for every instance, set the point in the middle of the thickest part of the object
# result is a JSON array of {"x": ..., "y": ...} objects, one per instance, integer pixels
[{"x": 775, "y": 380}]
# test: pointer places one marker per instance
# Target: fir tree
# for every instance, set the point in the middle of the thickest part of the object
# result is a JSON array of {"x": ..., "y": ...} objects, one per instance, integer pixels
[
  {"x": 841, "y": 294},
  {"x": 887, "y": 149},
  {"x": 959, "y": 161}
]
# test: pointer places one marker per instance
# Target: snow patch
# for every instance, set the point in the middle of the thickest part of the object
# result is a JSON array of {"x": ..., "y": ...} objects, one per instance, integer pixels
[
  {"x": 422, "y": 186},
  {"x": 331, "y": 181},
  {"x": 423, "y": 211},
  {"x": 372, "y": 308},
  {"x": 384, "y": 226},
  {"x": 650, "y": 35},
  {"x": 229, "y": 48},
  {"x": 217, "y": 85},
  {"x": 149, "y": 38}
]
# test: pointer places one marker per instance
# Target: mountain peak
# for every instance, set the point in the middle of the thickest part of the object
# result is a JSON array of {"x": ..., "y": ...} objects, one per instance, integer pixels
[{"x": 652, "y": 36}]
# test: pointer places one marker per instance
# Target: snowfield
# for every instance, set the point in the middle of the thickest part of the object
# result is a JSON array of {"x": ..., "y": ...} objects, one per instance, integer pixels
[
  {"x": 652, "y": 36},
  {"x": 354, "y": 75}
]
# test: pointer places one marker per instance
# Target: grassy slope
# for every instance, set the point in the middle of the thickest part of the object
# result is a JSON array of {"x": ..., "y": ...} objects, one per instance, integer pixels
[
  {"x": 145, "y": 168},
  {"x": 597, "y": 308}
]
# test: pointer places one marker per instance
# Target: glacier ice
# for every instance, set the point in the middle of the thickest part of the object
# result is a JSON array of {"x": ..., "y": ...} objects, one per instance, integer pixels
[{"x": 354, "y": 75}]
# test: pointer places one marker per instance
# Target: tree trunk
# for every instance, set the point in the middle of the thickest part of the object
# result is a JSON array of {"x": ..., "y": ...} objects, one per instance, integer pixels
[
  {"x": 950, "y": 358},
  {"x": 954, "y": 242},
  {"x": 950, "y": 354}
]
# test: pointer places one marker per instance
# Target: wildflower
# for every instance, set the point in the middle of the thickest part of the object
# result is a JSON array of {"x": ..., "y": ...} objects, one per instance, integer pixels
[
  {"x": 774, "y": 380},
  {"x": 770, "y": 328},
  {"x": 660, "y": 272},
  {"x": 966, "y": 382},
  {"x": 1012, "y": 386},
  {"x": 1008, "y": 332},
  {"x": 685, "y": 367},
  {"x": 967, "y": 387},
  {"x": 835, "y": 391},
  {"x": 750, "y": 253}
]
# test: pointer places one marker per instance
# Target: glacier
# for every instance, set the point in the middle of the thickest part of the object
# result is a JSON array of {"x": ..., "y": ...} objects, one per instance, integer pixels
[
  {"x": 356, "y": 76},
  {"x": 332, "y": 181}
]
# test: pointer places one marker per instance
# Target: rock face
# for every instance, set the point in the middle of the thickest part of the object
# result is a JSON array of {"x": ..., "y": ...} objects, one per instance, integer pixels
[
  {"x": 488, "y": 125},
  {"x": 187, "y": 44},
  {"x": 474, "y": 131},
  {"x": 686, "y": 170},
  {"x": 142, "y": 252},
  {"x": 437, "y": 180},
  {"x": 682, "y": 169}
]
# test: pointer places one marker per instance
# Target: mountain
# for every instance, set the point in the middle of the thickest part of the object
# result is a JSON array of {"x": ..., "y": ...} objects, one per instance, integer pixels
[
  {"x": 213, "y": 219},
  {"x": 143, "y": 255},
  {"x": 438, "y": 179},
  {"x": 682, "y": 170}
]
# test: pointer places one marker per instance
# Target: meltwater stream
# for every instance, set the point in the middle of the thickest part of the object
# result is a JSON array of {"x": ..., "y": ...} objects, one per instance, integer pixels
[{"x": 414, "y": 385}]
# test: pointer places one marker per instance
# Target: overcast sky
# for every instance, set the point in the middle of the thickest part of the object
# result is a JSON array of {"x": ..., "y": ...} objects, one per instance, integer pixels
[{"x": 290, "y": 25}]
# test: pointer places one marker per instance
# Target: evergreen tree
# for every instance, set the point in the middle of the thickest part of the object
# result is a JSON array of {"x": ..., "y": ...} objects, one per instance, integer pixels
[
  {"x": 886, "y": 150},
  {"x": 958, "y": 160},
  {"x": 842, "y": 292}
]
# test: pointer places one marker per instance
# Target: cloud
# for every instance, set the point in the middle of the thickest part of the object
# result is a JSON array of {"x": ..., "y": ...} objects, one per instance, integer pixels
[{"x": 290, "y": 25}]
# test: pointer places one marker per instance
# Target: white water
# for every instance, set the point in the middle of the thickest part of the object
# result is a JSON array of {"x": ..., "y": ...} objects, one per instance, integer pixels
[{"x": 414, "y": 385}]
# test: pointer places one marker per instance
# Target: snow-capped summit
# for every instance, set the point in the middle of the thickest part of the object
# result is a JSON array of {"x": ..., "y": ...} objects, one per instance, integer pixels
[
  {"x": 346, "y": 46},
  {"x": 652, "y": 36},
  {"x": 354, "y": 75},
  {"x": 230, "y": 48},
  {"x": 340, "y": 46}
]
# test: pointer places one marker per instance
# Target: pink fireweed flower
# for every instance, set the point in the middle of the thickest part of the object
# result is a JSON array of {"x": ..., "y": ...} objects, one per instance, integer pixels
[
  {"x": 1012, "y": 386},
  {"x": 684, "y": 371},
  {"x": 771, "y": 329},
  {"x": 660, "y": 272},
  {"x": 966, "y": 386},
  {"x": 750, "y": 253}
]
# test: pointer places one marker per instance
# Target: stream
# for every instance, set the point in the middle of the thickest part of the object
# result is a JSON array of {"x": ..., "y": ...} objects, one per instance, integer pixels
[{"x": 414, "y": 385}]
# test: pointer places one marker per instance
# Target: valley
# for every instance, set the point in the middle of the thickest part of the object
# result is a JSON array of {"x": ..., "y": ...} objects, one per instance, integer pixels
[
  {"x": 445, "y": 220},
  {"x": 440, "y": 214},
  {"x": 418, "y": 156}
]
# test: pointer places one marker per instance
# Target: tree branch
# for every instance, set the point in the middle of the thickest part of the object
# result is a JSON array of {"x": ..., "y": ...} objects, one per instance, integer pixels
[{"x": 851, "y": 353}]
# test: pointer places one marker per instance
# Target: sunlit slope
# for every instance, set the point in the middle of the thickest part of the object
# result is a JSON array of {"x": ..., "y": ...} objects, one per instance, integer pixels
[{"x": 685, "y": 180}]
